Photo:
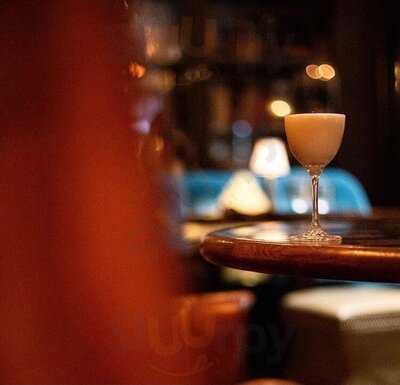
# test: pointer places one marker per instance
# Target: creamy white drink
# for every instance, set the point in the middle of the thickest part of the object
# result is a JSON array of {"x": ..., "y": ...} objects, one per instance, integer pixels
[{"x": 314, "y": 139}]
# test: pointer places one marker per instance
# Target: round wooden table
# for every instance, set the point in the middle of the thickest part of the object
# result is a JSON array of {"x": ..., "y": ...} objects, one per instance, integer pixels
[{"x": 370, "y": 250}]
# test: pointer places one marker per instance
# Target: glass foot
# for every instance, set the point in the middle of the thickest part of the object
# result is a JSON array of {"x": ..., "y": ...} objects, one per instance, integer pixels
[{"x": 316, "y": 235}]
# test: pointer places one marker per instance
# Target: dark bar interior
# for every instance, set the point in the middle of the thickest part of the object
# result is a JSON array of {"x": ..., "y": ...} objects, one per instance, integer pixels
[{"x": 199, "y": 192}]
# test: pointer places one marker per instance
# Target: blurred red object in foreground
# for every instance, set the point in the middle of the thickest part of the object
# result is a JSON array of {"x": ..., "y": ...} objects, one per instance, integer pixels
[{"x": 85, "y": 255}]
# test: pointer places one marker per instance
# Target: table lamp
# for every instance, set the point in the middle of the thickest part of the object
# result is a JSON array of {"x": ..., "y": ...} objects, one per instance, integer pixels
[
  {"x": 270, "y": 160},
  {"x": 244, "y": 195}
]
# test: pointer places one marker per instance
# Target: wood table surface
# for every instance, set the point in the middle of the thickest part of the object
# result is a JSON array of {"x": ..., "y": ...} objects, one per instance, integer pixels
[{"x": 370, "y": 250}]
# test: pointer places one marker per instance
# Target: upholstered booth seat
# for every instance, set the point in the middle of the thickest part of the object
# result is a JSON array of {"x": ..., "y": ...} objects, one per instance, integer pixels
[
  {"x": 344, "y": 335},
  {"x": 340, "y": 191}
]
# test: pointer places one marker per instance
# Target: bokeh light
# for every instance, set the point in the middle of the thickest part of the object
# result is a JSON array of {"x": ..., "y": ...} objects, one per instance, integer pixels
[
  {"x": 397, "y": 70},
  {"x": 326, "y": 71},
  {"x": 280, "y": 108},
  {"x": 137, "y": 70},
  {"x": 299, "y": 206},
  {"x": 397, "y": 76},
  {"x": 313, "y": 72},
  {"x": 242, "y": 129},
  {"x": 323, "y": 72}
]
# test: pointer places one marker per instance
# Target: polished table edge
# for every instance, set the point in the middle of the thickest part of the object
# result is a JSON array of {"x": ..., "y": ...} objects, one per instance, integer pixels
[{"x": 342, "y": 262}]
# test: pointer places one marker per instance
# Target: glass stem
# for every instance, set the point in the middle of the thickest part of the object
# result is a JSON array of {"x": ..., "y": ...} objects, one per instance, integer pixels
[{"x": 315, "y": 173}]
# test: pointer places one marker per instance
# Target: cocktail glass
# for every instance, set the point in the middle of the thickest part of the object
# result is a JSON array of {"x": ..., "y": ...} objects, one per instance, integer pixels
[{"x": 314, "y": 140}]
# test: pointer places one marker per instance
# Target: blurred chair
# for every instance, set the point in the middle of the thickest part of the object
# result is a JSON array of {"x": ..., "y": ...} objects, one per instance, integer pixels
[
  {"x": 344, "y": 335},
  {"x": 214, "y": 331},
  {"x": 340, "y": 191}
]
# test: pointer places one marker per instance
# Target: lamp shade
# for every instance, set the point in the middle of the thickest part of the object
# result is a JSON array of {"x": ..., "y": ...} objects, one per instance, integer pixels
[
  {"x": 244, "y": 195},
  {"x": 269, "y": 158}
]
